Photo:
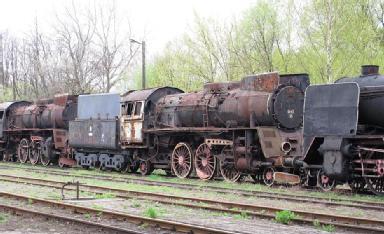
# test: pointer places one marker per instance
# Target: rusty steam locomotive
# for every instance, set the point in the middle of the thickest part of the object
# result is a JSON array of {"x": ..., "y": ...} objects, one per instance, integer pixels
[
  {"x": 37, "y": 132},
  {"x": 227, "y": 129}
]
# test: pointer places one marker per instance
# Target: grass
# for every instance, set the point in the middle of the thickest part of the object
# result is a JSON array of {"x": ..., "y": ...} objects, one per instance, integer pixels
[
  {"x": 242, "y": 215},
  {"x": 324, "y": 227},
  {"x": 87, "y": 215},
  {"x": 219, "y": 184},
  {"x": 105, "y": 195},
  {"x": 97, "y": 207},
  {"x": 151, "y": 213},
  {"x": 285, "y": 216},
  {"x": 3, "y": 218}
]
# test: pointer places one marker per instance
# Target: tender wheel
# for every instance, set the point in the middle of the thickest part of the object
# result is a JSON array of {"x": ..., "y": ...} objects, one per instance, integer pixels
[
  {"x": 357, "y": 184},
  {"x": 23, "y": 150},
  {"x": 146, "y": 167},
  {"x": 181, "y": 160},
  {"x": 46, "y": 152},
  {"x": 228, "y": 169},
  {"x": 205, "y": 162},
  {"x": 35, "y": 153},
  {"x": 324, "y": 182},
  {"x": 268, "y": 178},
  {"x": 131, "y": 167}
]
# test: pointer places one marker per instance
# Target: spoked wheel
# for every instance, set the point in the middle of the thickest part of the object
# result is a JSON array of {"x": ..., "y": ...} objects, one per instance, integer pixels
[
  {"x": 23, "y": 150},
  {"x": 268, "y": 178},
  {"x": 146, "y": 167},
  {"x": 324, "y": 182},
  {"x": 46, "y": 152},
  {"x": 308, "y": 178},
  {"x": 205, "y": 162},
  {"x": 375, "y": 180},
  {"x": 131, "y": 166},
  {"x": 228, "y": 169},
  {"x": 375, "y": 185},
  {"x": 357, "y": 184},
  {"x": 35, "y": 153},
  {"x": 181, "y": 160},
  {"x": 257, "y": 177}
]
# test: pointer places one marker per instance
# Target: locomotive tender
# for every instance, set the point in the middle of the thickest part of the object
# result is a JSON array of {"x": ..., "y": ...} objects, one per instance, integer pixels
[{"x": 227, "y": 129}]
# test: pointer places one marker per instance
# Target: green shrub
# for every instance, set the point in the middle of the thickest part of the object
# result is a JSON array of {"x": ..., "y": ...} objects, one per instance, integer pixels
[
  {"x": 284, "y": 216},
  {"x": 151, "y": 212}
]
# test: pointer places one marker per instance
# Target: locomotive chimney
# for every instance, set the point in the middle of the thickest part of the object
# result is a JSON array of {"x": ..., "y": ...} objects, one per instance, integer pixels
[{"x": 367, "y": 70}]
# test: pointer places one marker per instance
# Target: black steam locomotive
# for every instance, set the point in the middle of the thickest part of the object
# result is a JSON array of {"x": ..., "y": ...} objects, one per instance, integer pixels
[{"x": 344, "y": 131}]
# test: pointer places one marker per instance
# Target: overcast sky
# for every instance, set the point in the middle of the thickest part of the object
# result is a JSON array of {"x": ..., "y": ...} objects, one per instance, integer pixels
[{"x": 158, "y": 20}]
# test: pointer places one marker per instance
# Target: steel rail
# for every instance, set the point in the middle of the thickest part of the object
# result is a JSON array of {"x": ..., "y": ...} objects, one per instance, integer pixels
[
  {"x": 105, "y": 227},
  {"x": 164, "y": 224},
  {"x": 270, "y": 195},
  {"x": 354, "y": 223}
]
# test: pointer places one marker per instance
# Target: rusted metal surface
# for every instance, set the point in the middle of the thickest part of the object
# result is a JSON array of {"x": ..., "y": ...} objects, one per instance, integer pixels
[
  {"x": 256, "y": 102},
  {"x": 221, "y": 87},
  {"x": 286, "y": 178},
  {"x": 145, "y": 94},
  {"x": 266, "y": 82}
]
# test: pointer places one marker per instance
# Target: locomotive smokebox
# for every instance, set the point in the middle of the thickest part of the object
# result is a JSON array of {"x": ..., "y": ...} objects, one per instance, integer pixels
[{"x": 367, "y": 70}]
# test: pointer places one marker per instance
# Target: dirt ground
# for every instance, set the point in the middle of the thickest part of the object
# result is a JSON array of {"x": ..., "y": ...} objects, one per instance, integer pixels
[{"x": 219, "y": 220}]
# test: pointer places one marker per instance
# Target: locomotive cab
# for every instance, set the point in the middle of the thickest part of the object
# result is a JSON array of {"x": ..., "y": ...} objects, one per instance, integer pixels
[{"x": 138, "y": 114}]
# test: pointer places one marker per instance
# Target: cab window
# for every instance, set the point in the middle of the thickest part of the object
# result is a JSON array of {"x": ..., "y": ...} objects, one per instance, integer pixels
[
  {"x": 129, "y": 108},
  {"x": 138, "y": 108},
  {"x": 1, "y": 115}
]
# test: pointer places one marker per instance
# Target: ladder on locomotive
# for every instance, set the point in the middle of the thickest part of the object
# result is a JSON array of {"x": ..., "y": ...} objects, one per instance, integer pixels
[{"x": 205, "y": 113}]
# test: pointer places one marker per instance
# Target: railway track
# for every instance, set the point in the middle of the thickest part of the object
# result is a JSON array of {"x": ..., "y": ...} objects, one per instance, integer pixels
[
  {"x": 352, "y": 223},
  {"x": 164, "y": 224},
  {"x": 106, "y": 228},
  {"x": 333, "y": 202}
]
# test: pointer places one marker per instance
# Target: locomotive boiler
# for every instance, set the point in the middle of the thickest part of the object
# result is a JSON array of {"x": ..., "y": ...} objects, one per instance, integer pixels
[
  {"x": 38, "y": 131},
  {"x": 347, "y": 134}
]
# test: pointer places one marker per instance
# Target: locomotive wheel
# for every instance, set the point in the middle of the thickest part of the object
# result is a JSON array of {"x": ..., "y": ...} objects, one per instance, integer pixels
[
  {"x": 268, "y": 178},
  {"x": 205, "y": 162},
  {"x": 375, "y": 185},
  {"x": 229, "y": 171},
  {"x": 356, "y": 184},
  {"x": 146, "y": 168},
  {"x": 7, "y": 156},
  {"x": 257, "y": 177},
  {"x": 46, "y": 154},
  {"x": 132, "y": 167},
  {"x": 23, "y": 150},
  {"x": 35, "y": 153},
  {"x": 324, "y": 182},
  {"x": 181, "y": 160}
]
